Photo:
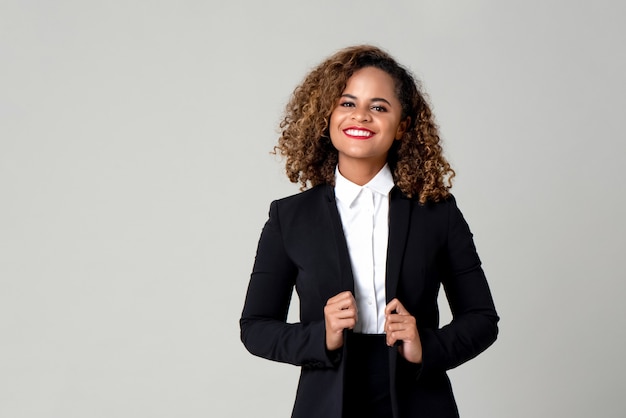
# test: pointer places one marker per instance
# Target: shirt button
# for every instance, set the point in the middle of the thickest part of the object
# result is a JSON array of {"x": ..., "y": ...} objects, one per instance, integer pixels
[{"x": 369, "y": 302}]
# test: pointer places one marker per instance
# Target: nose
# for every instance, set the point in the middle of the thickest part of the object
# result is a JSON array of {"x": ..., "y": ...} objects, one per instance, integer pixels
[{"x": 361, "y": 115}]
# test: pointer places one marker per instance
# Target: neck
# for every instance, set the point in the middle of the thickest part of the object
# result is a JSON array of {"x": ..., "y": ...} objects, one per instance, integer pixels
[{"x": 359, "y": 173}]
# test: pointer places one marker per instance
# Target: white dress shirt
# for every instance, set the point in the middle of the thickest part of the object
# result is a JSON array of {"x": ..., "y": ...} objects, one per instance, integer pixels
[{"x": 364, "y": 212}]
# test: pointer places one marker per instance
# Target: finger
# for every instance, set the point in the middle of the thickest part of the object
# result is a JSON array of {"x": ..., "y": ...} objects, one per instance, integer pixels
[
  {"x": 341, "y": 302},
  {"x": 394, "y": 318},
  {"x": 340, "y": 297},
  {"x": 334, "y": 315},
  {"x": 343, "y": 313},
  {"x": 405, "y": 324},
  {"x": 338, "y": 325},
  {"x": 400, "y": 310},
  {"x": 405, "y": 329},
  {"x": 397, "y": 338},
  {"x": 395, "y": 330},
  {"x": 342, "y": 324},
  {"x": 395, "y": 306},
  {"x": 404, "y": 335},
  {"x": 341, "y": 305},
  {"x": 400, "y": 319},
  {"x": 391, "y": 306},
  {"x": 395, "y": 310},
  {"x": 395, "y": 326}
]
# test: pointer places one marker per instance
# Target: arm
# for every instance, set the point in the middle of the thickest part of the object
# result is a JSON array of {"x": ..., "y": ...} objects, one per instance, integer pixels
[
  {"x": 474, "y": 319},
  {"x": 264, "y": 330}
]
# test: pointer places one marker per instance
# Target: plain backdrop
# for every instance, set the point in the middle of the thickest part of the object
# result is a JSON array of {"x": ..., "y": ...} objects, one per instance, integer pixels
[{"x": 135, "y": 178}]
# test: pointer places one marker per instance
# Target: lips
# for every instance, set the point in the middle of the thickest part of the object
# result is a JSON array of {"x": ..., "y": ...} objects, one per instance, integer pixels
[{"x": 358, "y": 133}]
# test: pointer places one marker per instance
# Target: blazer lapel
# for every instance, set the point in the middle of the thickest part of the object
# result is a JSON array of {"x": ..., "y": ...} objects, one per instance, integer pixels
[
  {"x": 346, "y": 278},
  {"x": 399, "y": 215}
]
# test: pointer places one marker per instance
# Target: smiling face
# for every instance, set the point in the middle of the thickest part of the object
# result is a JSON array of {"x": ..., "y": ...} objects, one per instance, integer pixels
[{"x": 365, "y": 122}]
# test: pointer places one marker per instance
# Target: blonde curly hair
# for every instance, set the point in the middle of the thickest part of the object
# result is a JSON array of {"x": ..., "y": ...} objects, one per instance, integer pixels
[{"x": 416, "y": 161}]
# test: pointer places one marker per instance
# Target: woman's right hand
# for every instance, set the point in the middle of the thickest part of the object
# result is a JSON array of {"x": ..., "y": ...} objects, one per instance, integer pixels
[{"x": 339, "y": 313}]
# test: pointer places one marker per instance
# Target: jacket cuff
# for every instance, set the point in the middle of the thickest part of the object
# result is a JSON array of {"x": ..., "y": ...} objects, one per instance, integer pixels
[{"x": 321, "y": 358}]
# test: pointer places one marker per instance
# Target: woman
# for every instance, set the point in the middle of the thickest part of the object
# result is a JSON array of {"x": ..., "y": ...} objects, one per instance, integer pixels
[{"x": 367, "y": 247}]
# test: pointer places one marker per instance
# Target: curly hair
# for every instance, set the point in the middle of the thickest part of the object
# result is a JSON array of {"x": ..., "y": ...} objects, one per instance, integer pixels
[{"x": 416, "y": 161}]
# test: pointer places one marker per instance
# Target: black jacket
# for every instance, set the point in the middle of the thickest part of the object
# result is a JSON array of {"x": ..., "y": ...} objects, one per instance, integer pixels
[{"x": 302, "y": 245}]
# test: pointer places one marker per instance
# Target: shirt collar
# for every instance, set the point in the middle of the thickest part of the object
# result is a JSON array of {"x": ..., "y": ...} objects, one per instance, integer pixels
[{"x": 347, "y": 192}]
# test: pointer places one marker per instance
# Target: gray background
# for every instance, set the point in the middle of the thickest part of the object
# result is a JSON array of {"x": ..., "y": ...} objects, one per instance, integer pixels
[{"x": 135, "y": 177}]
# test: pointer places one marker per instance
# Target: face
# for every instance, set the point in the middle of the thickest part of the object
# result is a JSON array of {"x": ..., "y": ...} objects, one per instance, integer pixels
[{"x": 366, "y": 120}]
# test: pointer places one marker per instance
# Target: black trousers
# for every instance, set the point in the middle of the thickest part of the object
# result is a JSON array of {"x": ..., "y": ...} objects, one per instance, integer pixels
[{"x": 366, "y": 390}]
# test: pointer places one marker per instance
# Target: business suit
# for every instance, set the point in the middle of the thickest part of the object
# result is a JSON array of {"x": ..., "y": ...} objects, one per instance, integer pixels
[{"x": 302, "y": 245}]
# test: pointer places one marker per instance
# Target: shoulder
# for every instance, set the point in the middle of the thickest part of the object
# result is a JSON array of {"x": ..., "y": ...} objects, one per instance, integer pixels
[
  {"x": 445, "y": 208},
  {"x": 303, "y": 204},
  {"x": 441, "y": 214},
  {"x": 445, "y": 204},
  {"x": 317, "y": 194},
  {"x": 442, "y": 205}
]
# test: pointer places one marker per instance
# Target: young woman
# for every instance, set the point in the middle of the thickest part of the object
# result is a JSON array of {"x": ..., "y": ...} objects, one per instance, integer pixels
[{"x": 367, "y": 247}]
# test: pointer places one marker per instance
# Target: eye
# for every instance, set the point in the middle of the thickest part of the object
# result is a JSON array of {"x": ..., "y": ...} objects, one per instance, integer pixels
[
  {"x": 379, "y": 108},
  {"x": 346, "y": 104}
]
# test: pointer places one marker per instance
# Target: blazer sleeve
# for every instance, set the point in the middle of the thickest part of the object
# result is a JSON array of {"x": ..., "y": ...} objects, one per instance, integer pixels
[
  {"x": 474, "y": 319},
  {"x": 263, "y": 324}
]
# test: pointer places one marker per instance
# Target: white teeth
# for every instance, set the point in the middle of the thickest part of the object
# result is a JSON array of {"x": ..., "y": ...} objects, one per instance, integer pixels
[{"x": 357, "y": 132}]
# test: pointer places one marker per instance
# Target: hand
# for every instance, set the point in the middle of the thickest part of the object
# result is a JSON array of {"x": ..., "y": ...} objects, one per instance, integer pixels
[
  {"x": 339, "y": 313},
  {"x": 400, "y": 325}
]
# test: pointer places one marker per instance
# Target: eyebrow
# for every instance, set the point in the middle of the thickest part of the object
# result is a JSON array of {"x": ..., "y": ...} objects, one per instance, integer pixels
[{"x": 375, "y": 99}]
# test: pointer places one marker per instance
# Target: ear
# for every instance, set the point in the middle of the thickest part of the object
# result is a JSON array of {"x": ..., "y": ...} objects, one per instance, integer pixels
[{"x": 402, "y": 127}]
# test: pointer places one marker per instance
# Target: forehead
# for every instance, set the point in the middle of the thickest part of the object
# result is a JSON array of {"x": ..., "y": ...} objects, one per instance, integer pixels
[{"x": 371, "y": 80}]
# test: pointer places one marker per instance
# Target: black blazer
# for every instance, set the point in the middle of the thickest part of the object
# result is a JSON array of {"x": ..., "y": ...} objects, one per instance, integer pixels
[{"x": 303, "y": 245}]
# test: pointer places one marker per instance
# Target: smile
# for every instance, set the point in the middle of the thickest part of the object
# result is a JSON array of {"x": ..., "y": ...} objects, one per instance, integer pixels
[{"x": 358, "y": 133}]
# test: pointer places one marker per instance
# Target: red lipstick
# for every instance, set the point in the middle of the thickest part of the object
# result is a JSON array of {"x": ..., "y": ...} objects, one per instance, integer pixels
[{"x": 357, "y": 132}]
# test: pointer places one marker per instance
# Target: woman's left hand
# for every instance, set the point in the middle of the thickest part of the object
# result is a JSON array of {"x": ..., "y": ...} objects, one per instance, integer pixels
[{"x": 400, "y": 325}]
